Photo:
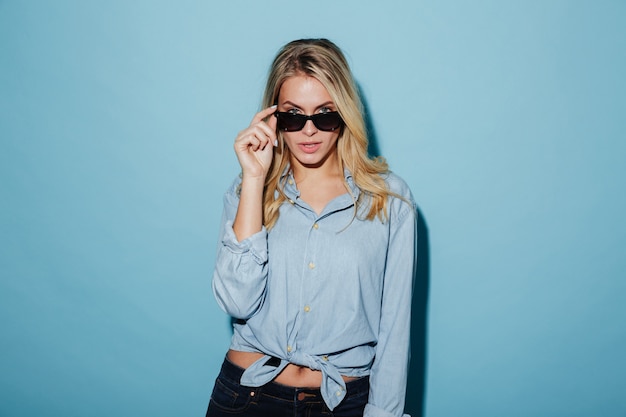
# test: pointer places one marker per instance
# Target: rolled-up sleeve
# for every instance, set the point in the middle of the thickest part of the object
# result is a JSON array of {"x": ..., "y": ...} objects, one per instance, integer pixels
[
  {"x": 389, "y": 372},
  {"x": 240, "y": 275}
]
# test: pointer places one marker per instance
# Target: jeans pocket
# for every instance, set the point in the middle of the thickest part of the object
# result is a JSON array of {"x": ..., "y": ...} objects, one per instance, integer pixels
[{"x": 230, "y": 396}]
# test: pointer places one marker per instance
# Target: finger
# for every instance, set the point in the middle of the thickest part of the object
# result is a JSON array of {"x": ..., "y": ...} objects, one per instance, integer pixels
[
  {"x": 254, "y": 144},
  {"x": 263, "y": 114},
  {"x": 258, "y": 131},
  {"x": 266, "y": 130},
  {"x": 272, "y": 122},
  {"x": 249, "y": 139},
  {"x": 261, "y": 131},
  {"x": 260, "y": 139}
]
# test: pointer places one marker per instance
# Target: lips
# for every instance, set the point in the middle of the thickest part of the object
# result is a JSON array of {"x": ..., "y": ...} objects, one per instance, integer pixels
[{"x": 309, "y": 147}]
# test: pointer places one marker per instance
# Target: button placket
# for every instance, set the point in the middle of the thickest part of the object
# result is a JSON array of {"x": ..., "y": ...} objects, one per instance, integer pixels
[
  {"x": 308, "y": 282},
  {"x": 314, "y": 239}
]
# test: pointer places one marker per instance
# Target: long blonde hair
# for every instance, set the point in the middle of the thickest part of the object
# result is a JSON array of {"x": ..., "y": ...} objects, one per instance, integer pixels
[{"x": 324, "y": 61}]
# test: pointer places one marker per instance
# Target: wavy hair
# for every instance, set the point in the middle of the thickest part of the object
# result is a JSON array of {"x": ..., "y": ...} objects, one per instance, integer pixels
[{"x": 324, "y": 61}]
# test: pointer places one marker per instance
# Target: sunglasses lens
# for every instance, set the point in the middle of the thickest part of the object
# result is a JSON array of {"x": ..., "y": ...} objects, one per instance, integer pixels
[
  {"x": 327, "y": 121},
  {"x": 290, "y": 122}
]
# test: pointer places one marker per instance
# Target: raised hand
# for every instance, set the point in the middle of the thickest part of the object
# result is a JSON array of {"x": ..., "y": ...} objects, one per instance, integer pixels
[{"x": 254, "y": 145}]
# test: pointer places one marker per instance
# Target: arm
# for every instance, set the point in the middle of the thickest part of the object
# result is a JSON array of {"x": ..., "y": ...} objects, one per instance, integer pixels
[
  {"x": 240, "y": 266},
  {"x": 389, "y": 372},
  {"x": 241, "y": 263},
  {"x": 254, "y": 147}
]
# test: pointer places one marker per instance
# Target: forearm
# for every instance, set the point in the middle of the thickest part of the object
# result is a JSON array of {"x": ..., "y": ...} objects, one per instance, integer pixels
[
  {"x": 249, "y": 217},
  {"x": 241, "y": 264},
  {"x": 240, "y": 275}
]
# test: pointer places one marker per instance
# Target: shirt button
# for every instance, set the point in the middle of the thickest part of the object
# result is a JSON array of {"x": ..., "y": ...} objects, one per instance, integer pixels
[
  {"x": 290, "y": 181},
  {"x": 311, "y": 265},
  {"x": 307, "y": 309},
  {"x": 325, "y": 357},
  {"x": 291, "y": 201},
  {"x": 316, "y": 226},
  {"x": 288, "y": 348}
]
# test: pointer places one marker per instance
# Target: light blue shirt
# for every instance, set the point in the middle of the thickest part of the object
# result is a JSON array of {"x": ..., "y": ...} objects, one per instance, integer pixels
[{"x": 331, "y": 292}]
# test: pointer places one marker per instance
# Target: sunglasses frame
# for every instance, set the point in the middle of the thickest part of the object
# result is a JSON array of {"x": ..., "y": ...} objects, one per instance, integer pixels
[{"x": 303, "y": 118}]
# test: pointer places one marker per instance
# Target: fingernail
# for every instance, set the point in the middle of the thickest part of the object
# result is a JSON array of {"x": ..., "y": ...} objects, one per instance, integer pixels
[
  {"x": 275, "y": 142},
  {"x": 274, "y": 106}
]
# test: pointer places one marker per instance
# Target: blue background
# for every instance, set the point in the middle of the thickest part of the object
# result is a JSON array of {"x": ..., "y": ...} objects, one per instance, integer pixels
[{"x": 117, "y": 119}]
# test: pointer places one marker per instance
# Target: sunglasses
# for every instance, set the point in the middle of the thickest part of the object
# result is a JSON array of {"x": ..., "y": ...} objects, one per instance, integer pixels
[{"x": 292, "y": 122}]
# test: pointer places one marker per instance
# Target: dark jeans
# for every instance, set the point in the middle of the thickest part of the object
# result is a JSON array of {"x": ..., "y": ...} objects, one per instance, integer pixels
[{"x": 229, "y": 398}]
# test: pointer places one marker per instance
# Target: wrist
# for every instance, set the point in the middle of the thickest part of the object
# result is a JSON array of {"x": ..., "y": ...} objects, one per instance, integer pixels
[{"x": 252, "y": 180}]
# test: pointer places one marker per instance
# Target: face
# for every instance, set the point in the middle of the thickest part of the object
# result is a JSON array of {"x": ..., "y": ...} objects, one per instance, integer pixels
[{"x": 310, "y": 147}]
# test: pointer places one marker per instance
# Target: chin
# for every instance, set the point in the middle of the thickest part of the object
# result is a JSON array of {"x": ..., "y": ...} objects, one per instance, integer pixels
[{"x": 310, "y": 162}]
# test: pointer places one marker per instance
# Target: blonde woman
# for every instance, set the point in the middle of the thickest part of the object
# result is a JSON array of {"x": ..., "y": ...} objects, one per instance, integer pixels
[{"x": 317, "y": 254}]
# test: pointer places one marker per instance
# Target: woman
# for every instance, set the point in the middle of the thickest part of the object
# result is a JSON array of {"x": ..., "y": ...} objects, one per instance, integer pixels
[{"x": 316, "y": 257}]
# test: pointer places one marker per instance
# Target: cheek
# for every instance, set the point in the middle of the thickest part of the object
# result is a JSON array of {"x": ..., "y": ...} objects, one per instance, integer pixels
[
  {"x": 288, "y": 137},
  {"x": 333, "y": 137}
]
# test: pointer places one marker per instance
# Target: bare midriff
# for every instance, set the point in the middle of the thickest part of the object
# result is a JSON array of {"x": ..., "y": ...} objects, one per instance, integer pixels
[{"x": 292, "y": 376}]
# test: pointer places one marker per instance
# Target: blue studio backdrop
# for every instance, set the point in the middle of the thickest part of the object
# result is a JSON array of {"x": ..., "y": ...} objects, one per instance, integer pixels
[{"x": 507, "y": 120}]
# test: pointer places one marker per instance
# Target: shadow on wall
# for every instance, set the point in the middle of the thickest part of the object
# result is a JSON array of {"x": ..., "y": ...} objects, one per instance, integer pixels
[
  {"x": 416, "y": 386},
  {"x": 372, "y": 149}
]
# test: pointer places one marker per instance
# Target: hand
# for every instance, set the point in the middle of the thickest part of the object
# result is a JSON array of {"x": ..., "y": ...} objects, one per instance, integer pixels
[{"x": 254, "y": 146}]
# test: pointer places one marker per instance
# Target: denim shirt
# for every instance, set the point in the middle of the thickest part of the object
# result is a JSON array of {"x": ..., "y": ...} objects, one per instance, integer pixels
[{"x": 331, "y": 292}]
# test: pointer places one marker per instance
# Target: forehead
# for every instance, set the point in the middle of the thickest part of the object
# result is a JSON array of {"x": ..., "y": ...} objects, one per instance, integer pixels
[{"x": 304, "y": 90}]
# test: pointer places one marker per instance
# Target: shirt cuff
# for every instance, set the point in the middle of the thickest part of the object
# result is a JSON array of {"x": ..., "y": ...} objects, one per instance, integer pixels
[
  {"x": 373, "y": 411},
  {"x": 255, "y": 244}
]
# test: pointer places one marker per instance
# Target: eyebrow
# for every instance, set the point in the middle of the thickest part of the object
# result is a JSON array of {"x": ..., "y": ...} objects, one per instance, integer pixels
[{"x": 288, "y": 102}]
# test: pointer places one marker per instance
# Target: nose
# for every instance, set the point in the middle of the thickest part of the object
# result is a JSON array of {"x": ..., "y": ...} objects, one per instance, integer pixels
[{"x": 309, "y": 128}]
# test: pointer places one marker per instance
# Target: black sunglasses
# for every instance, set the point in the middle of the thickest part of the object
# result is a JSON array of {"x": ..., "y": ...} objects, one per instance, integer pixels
[{"x": 292, "y": 122}]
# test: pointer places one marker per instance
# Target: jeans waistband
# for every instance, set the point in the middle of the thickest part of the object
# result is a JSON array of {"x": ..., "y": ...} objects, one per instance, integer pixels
[{"x": 233, "y": 372}]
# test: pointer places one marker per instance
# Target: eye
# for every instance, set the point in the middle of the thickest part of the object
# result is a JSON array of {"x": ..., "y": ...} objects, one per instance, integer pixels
[
  {"x": 293, "y": 111},
  {"x": 325, "y": 110}
]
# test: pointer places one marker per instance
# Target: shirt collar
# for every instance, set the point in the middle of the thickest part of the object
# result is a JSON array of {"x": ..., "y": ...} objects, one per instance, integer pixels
[{"x": 291, "y": 190}]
